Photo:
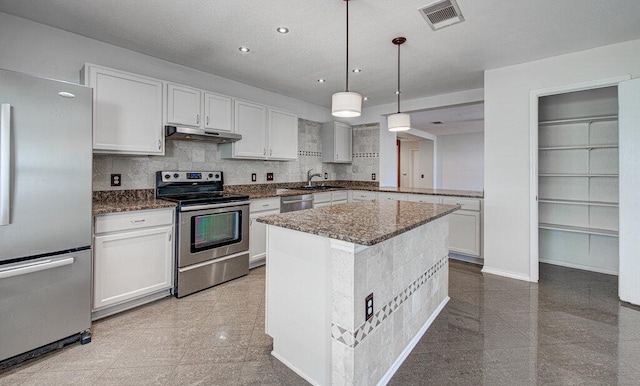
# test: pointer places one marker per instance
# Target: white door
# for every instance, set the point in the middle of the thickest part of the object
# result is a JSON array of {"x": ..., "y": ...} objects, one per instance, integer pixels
[
  {"x": 251, "y": 123},
  {"x": 283, "y": 135},
  {"x": 343, "y": 142},
  {"x": 218, "y": 112},
  {"x": 183, "y": 105},
  {"x": 629, "y": 210},
  {"x": 464, "y": 232},
  {"x": 131, "y": 264},
  {"x": 258, "y": 236}
]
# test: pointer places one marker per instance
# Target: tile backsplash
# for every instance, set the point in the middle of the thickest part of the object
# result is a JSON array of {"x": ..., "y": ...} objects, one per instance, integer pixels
[{"x": 138, "y": 172}]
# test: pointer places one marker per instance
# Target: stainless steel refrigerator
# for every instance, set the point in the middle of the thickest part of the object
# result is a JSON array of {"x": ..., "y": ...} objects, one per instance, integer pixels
[{"x": 45, "y": 212}]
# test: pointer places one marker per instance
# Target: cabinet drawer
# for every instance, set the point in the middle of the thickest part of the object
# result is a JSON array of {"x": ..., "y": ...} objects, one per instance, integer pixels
[
  {"x": 424, "y": 198},
  {"x": 264, "y": 204},
  {"x": 466, "y": 203},
  {"x": 321, "y": 198},
  {"x": 364, "y": 195},
  {"x": 339, "y": 196},
  {"x": 115, "y": 222},
  {"x": 392, "y": 196}
]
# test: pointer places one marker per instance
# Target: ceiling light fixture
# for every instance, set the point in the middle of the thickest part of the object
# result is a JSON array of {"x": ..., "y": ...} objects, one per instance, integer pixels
[
  {"x": 346, "y": 104},
  {"x": 357, "y": 70},
  {"x": 321, "y": 80},
  {"x": 282, "y": 30},
  {"x": 244, "y": 49},
  {"x": 399, "y": 121}
]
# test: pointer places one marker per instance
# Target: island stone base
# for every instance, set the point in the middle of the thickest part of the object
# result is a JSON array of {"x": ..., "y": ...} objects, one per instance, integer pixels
[{"x": 316, "y": 291}]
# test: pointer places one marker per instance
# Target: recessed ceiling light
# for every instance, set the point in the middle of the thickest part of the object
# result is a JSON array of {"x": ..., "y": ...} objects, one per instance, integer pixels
[
  {"x": 357, "y": 70},
  {"x": 321, "y": 80},
  {"x": 282, "y": 30},
  {"x": 436, "y": 123},
  {"x": 397, "y": 93},
  {"x": 244, "y": 49},
  {"x": 365, "y": 98}
]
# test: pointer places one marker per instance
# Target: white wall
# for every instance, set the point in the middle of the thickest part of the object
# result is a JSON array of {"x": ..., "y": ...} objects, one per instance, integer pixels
[
  {"x": 38, "y": 49},
  {"x": 507, "y": 144},
  {"x": 427, "y": 162},
  {"x": 460, "y": 162}
]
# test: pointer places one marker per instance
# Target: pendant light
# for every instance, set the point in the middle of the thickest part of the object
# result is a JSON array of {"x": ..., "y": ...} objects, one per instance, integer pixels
[
  {"x": 399, "y": 121},
  {"x": 346, "y": 104}
]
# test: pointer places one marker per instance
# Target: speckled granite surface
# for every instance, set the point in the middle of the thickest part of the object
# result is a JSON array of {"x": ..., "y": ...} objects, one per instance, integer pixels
[
  {"x": 364, "y": 223},
  {"x": 275, "y": 190},
  {"x": 109, "y": 201}
]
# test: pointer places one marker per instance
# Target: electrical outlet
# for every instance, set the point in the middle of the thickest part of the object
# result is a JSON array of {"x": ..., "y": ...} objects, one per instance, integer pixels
[
  {"x": 116, "y": 180},
  {"x": 368, "y": 306},
  {"x": 269, "y": 176},
  {"x": 254, "y": 177},
  {"x": 373, "y": 176},
  {"x": 326, "y": 176}
]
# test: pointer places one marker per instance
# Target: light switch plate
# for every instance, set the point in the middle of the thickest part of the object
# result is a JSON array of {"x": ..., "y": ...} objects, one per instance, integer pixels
[
  {"x": 254, "y": 177},
  {"x": 368, "y": 307}
]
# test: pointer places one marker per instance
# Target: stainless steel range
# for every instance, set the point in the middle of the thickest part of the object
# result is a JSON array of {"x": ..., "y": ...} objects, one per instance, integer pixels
[{"x": 213, "y": 229}]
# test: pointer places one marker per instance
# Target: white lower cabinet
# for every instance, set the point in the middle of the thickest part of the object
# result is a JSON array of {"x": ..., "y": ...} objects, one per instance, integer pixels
[
  {"x": 257, "y": 230},
  {"x": 362, "y": 195},
  {"x": 392, "y": 196},
  {"x": 464, "y": 226},
  {"x": 133, "y": 256}
]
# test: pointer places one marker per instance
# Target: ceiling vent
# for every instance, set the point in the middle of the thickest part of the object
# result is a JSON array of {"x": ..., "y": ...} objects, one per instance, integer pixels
[{"x": 441, "y": 14}]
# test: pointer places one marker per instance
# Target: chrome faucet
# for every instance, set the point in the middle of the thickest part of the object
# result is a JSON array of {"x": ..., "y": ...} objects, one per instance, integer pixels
[{"x": 310, "y": 176}]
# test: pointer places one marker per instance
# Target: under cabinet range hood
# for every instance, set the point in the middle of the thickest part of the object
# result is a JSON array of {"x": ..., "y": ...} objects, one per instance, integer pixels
[{"x": 197, "y": 134}]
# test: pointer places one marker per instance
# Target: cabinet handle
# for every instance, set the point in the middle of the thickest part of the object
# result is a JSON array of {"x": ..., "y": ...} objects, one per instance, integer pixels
[
  {"x": 169, "y": 236},
  {"x": 265, "y": 205},
  {"x": 264, "y": 151},
  {"x": 207, "y": 120},
  {"x": 250, "y": 221},
  {"x": 138, "y": 221},
  {"x": 270, "y": 151},
  {"x": 198, "y": 119},
  {"x": 159, "y": 145}
]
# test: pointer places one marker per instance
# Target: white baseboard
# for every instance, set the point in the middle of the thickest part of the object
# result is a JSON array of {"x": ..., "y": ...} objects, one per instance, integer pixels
[
  {"x": 510, "y": 275},
  {"x": 580, "y": 266},
  {"x": 112, "y": 310},
  {"x": 405, "y": 353},
  {"x": 294, "y": 369},
  {"x": 257, "y": 262}
]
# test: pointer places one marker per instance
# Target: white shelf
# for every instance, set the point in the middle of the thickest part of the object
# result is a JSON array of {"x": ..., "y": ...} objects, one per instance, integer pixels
[
  {"x": 602, "y": 118},
  {"x": 574, "y": 229},
  {"x": 576, "y": 175},
  {"x": 578, "y": 202},
  {"x": 586, "y": 147}
]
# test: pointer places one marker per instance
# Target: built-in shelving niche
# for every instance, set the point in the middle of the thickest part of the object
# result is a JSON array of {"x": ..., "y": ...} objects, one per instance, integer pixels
[{"x": 578, "y": 179}]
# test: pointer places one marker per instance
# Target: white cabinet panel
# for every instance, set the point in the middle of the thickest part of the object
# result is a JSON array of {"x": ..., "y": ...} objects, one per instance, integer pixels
[
  {"x": 424, "y": 198},
  {"x": 251, "y": 123},
  {"x": 218, "y": 112},
  {"x": 283, "y": 135},
  {"x": 464, "y": 232},
  {"x": 257, "y": 230},
  {"x": 183, "y": 105},
  {"x": 465, "y": 203},
  {"x": 362, "y": 195},
  {"x": 127, "y": 111},
  {"x": 392, "y": 196},
  {"x": 337, "y": 140}
]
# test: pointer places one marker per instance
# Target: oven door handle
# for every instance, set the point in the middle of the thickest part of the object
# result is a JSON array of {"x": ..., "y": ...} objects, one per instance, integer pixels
[{"x": 192, "y": 208}]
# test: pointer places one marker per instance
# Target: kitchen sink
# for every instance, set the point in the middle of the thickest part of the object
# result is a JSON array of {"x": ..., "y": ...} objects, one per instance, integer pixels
[{"x": 319, "y": 187}]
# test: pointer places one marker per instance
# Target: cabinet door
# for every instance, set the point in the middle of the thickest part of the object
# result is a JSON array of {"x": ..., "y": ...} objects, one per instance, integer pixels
[
  {"x": 283, "y": 135},
  {"x": 392, "y": 196},
  {"x": 343, "y": 142},
  {"x": 131, "y": 264},
  {"x": 464, "y": 233},
  {"x": 127, "y": 112},
  {"x": 183, "y": 105},
  {"x": 218, "y": 112},
  {"x": 424, "y": 198},
  {"x": 251, "y": 123},
  {"x": 258, "y": 236}
]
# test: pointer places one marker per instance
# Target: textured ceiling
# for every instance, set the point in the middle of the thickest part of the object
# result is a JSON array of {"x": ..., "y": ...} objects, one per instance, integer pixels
[{"x": 206, "y": 34}]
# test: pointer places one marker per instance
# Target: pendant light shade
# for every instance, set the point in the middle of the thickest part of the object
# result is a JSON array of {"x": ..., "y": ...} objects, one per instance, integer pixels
[
  {"x": 346, "y": 104},
  {"x": 399, "y": 121}
]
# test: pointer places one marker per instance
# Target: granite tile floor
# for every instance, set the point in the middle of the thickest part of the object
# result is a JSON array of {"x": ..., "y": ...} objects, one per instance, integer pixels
[{"x": 567, "y": 330}]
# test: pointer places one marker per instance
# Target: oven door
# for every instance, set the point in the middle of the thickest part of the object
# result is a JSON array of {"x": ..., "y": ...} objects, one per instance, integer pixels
[{"x": 208, "y": 232}]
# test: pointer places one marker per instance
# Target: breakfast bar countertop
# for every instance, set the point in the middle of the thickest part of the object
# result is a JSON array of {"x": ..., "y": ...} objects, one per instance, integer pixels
[{"x": 365, "y": 223}]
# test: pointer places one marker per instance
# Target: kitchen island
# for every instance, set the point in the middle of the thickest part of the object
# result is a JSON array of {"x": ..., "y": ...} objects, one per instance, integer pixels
[{"x": 351, "y": 288}]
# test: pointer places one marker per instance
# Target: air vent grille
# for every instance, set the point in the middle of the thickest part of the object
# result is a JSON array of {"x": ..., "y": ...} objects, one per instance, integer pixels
[{"x": 441, "y": 14}]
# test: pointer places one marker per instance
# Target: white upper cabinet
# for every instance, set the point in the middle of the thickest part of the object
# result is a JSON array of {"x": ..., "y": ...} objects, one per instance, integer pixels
[
  {"x": 267, "y": 133},
  {"x": 183, "y": 105},
  {"x": 336, "y": 142},
  {"x": 251, "y": 123},
  {"x": 283, "y": 135},
  {"x": 218, "y": 112},
  {"x": 127, "y": 111}
]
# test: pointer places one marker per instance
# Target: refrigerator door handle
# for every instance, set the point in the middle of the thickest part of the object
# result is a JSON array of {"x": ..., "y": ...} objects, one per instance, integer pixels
[
  {"x": 30, "y": 268},
  {"x": 5, "y": 164}
]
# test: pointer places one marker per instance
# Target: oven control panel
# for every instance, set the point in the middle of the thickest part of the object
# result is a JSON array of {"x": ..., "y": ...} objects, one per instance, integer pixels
[{"x": 190, "y": 176}]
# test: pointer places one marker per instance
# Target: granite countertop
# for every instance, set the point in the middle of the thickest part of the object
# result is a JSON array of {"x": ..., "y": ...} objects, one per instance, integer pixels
[
  {"x": 365, "y": 223},
  {"x": 127, "y": 200}
]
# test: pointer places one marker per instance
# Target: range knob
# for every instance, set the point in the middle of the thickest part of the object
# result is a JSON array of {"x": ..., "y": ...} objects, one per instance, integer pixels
[
  {"x": 176, "y": 175},
  {"x": 167, "y": 176},
  {"x": 210, "y": 175},
  {"x": 217, "y": 175}
]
